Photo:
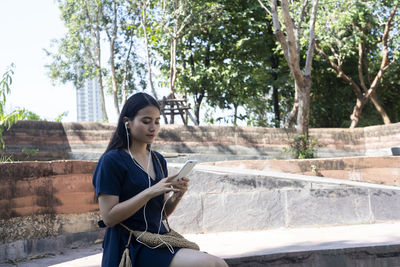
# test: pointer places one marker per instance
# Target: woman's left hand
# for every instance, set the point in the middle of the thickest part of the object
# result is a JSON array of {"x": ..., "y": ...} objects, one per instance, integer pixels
[{"x": 182, "y": 186}]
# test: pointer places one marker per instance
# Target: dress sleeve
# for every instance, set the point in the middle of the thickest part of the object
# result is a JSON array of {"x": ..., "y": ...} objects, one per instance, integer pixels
[{"x": 108, "y": 176}]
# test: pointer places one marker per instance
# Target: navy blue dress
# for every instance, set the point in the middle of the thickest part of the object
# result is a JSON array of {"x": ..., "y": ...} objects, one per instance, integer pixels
[{"x": 116, "y": 174}]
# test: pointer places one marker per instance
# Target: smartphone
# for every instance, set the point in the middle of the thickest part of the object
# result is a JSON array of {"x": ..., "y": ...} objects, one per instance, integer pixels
[{"x": 186, "y": 168}]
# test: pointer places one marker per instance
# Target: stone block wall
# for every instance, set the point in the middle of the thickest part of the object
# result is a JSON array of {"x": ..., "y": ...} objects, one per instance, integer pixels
[
  {"x": 46, "y": 198},
  {"x": 232, "y": 199},
  {"x": 50, "y": 205},
  {"x": 87, "y": 141}
]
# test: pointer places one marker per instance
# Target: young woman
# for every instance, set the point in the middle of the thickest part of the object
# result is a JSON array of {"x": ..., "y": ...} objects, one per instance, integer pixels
[{"x": 132, "y": 187}]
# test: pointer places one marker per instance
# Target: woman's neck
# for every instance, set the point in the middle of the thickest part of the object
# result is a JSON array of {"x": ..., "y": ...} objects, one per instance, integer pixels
[{"x": 139, "y": 149}]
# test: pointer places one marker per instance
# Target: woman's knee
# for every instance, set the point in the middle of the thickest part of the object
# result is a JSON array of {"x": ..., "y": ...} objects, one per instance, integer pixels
[
  {"x": 196, "y": 258},
  {"x": 214, "y": 261},
  {"x": 218, "y": 262}
]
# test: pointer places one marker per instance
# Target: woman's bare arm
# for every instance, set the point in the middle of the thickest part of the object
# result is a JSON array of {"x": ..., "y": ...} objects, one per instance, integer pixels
[
  {"x": 113, "y": 212},
  {"x": 173, "y": 201}
]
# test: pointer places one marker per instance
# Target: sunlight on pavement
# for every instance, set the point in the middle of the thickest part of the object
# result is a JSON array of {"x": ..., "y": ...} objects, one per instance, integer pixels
[{"x": 90, "y": 261}]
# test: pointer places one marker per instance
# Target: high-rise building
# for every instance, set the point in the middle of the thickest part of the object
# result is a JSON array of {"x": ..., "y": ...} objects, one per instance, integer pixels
[{"x": 88, "y": 102}]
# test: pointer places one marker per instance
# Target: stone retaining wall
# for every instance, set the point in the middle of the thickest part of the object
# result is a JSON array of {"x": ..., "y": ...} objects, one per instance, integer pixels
[
  {"x": 43, "y": 200},
  {"x": 88, "y": 141},
  {"x": 232, "y": 199}
]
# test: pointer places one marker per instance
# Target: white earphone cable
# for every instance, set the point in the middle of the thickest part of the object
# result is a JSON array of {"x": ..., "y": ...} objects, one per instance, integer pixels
[{"x": 170, "y": 248}]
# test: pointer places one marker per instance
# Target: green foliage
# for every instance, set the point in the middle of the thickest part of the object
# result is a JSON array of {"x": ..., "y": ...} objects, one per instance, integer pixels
[
  {"x": 92, "y": 28},
  {"x": 5, "y": 158},
  {"x": 332, "y": 99},
  {"x": 231, "y": 63},
  {"x": 61, "y": 116},
  {"x": 302, "y": 146},
  {"x": 343, "y": 26},
  {"x": 30, "y": 152},
  {"x": 228, "y": 57},
  {"x": 7, "y": 120},
  {"x": 5, "y": 84},
  {"x": 31, "y": 116}
]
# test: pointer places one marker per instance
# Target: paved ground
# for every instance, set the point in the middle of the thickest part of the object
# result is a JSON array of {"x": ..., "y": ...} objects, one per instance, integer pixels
[{"x": 241, "y": 244}]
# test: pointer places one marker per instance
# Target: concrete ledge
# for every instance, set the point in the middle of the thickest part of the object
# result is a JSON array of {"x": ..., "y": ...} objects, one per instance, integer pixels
[
  {"x": 375, "y": 245},
  {"x": 380, "y": 256},
  {"x": 231, "y": 199},
  {"x": 19, "y": 250}
]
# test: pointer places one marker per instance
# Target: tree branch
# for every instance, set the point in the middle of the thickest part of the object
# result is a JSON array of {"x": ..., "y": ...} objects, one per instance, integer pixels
[
  {"x": 311, "y": 41},
  {"x": 294, "y": 60},
  {"x": 385, "y": 53},
  {"x": 277, "y": 30},
  {"x": 340, "y": 72},
  {"x": 359, "y": 65},
  {"x": 263, "y": 6},
  {"x": 299, "y": 28}
]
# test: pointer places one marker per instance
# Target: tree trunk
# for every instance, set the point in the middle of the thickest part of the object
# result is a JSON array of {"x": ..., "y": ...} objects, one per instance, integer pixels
[
  {"x": 146, "y": 42},
  {"x": 235, "y": 114},
  {"x": 277, "y": 113},
  {"x": 100, "y": 75},
  {"x": 96, "y": 58},
  {"x": 275, "y": 92},
  {"x": 125, "y": 89},
  {"x": 112, "y": 37},
  {"x": 172, "y": 74},
  {"x": 102, "y": 99},
  {"x": 303, "y": 112},
  {"x": 380, "y": 109},
  {"x": 357, "y": 110},
  {"x": 293, "y": 112},
  {"x": 113, "y": 79},
  {"x": 172, "y": 68},
  {"x": 197, "y": 105},
  {"x": 369, "y": 93}
]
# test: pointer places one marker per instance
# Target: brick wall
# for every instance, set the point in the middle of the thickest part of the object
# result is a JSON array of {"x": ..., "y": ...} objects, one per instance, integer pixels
[
  {"x": 45, "y": 199},
  {"x": 89, "y": 140},
  {"x": 41, "y": 199}
]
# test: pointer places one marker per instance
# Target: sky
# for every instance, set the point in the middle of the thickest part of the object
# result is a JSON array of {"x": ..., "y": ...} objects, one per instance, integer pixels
[{"x": 26, "y": 28}]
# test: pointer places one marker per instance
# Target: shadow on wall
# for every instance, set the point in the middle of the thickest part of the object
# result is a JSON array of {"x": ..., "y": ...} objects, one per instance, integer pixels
[
  {"x": 34, "y": 188},
  {"x": 37, "y": 140},
  {"x": 52, "y": 140},
  {"x": 218, "y": 140},
  {"x": 33, "y": 196}
]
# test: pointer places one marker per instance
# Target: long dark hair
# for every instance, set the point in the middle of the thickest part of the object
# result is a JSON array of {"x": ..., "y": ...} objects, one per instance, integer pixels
[{"x": 132, "y": 106}]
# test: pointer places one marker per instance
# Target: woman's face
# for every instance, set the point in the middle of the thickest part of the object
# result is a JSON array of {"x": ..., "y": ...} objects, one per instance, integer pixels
[{"x": 145, "y": 125}]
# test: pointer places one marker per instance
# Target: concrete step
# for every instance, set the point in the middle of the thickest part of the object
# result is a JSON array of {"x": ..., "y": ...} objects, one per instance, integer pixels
[{"x": 336, "y": 246}]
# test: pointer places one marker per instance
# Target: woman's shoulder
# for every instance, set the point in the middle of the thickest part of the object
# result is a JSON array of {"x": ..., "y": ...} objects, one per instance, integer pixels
[{"x": 114, "y": 155}]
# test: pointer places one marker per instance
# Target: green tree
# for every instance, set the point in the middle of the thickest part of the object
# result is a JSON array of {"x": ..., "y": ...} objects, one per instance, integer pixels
[
  {"x": 95, "y": 29},
  {"x": 367, "y": 30},
  {"x": 331, "y": 97},
  {"x": 294, "y": 35},
  {"x": 7, "y": 120},
  {"x": 229, "y": 63},
  {"x": 165, "y": 24},
  {"x": 78, "y": 54}
]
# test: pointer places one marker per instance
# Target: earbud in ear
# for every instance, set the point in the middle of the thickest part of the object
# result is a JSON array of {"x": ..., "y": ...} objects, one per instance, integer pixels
[{"x": 126, "y": 124}]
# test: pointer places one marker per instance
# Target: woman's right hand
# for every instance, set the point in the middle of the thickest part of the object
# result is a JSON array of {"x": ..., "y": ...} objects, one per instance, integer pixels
[
  {"x": 113, "y": 212},
  {"x": 165, "y": 185}
]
